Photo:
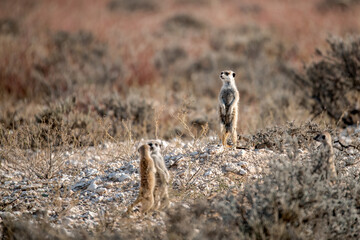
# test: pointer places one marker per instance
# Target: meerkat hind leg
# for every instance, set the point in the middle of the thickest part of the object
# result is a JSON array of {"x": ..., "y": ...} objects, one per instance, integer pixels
[
  {"x": 133, "y": 204},
  {"x": 165, "y": 202},
  {"x": 147, "y": 204},
  {"x": 234, "y": 138},
  {"x": 224, "y": 139},
  {"x": 157, "y": 199}
]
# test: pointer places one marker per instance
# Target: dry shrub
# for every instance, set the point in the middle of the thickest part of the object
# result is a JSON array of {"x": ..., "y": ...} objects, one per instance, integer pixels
[
  {"x": 135, "y": 111},
  {"x": 289, "y": 202},
  {"x": 133, "y": 5},
  {"x": 327, "y": 5},
  {"x": 182, "y": 21},
  {"x": 276, "y": 137},
  {"x": 27, "y": 228},
  {"x": 194, "y": 2},
  {"x": 55, "y": 65},
  {"x": 37, "y": 147},
  {"x": 9, "y": 26},
  {"x": 141, "y": 70},
  {"x": 333, "y": 81},
  {"x": 247, "y": 40},
  {"x": 167, "y": 58}
]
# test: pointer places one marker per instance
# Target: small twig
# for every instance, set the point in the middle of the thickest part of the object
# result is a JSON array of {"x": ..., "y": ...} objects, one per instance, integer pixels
[
  {"x": 193, "y": 176},
  {"x": 347, "y": 146}
]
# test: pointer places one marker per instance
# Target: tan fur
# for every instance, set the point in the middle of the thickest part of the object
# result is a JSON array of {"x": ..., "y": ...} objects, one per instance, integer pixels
[
  {"x": 147, "y": 182},
  {"x": 161, "y": 193},
  {"x": 228, "y": 107},
  {"x": 327, "y": 154}
]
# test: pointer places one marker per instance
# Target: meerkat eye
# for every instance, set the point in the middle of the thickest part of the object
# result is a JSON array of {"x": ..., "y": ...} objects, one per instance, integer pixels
[
  {"x": 150, "y": 144},
  {"x": 227, "y": 73},
  {"x": 233, "y": 74}
]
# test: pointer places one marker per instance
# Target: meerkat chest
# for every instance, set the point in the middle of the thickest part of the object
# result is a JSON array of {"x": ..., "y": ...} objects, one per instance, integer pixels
[{"x": 228, "y": 95}]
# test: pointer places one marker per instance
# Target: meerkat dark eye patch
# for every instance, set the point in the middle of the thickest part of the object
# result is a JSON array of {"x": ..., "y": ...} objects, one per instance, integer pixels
[
  {"x": 227, "y": 73},
  {"x": 323, "y": 137},
  {"x": 233, "y": 74},
  {"x": 150, "y": 144}
]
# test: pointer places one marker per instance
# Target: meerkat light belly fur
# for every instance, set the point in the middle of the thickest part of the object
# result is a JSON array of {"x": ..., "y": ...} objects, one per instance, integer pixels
[{"x": 228, "y": 107}]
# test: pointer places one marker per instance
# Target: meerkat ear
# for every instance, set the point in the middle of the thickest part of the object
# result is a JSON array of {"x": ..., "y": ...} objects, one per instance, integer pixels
[{"x": 234, "y": 74}]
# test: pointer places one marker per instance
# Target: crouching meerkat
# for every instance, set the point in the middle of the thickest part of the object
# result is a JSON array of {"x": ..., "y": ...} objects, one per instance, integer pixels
[
  {"x": 147, "y": 181},
  {"x": 326, "y": 160},
  {"x": 161, "y": 194},
  {"x": 228, "y": 107}
]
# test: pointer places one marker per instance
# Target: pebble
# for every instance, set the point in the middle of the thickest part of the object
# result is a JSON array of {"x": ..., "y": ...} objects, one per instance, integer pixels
[
  {"x": 101, "y": 191},
  {"x": 118, "y": 177},
  {"x": 92, "y": 186}
]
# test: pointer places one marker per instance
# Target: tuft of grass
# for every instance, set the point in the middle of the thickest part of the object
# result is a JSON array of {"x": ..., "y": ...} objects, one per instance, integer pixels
[
  {"x": 133, "y": 5},
  {"x": 183, "y": 21}
]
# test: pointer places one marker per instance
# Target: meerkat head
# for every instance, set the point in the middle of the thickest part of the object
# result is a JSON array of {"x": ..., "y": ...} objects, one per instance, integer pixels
[
  {"x": 144, "y": 149},
  {"x": 155, "y": 146},
  {"x": 227, "y": 76},
  {"x": 324, "y": 138}
]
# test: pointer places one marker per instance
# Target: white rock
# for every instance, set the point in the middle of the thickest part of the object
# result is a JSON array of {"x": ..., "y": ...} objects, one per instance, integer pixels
[
  {"x": 230, "y": 167},
  {"x": 100, "y": 191},
  {"x": 251, "y": 169},
  {"x": 92, "y": 214},
  {"x": 119, "y": 196},
  {"x": 91, "y": 172},
  {"x": 92, "y": 186},
  {"x": 242, "y": 172},
  {"x": 194, "y": 153},
  {"x": 118, "y": 177}
]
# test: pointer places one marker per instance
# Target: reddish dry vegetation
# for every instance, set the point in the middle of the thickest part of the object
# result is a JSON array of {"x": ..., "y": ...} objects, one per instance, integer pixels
[
  {"x": 300, "y": 24},
  {"x": 162, "y": 51},
  {"x": 169, "y": 52}
]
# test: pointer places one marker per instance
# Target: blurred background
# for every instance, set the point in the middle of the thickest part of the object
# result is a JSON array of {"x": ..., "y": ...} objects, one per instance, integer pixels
[{"x": 120, "y": 69}]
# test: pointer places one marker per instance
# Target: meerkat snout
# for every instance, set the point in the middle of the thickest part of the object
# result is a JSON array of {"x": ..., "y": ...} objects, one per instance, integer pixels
[
  {"x": 154, "y": 146},
  {"x": 227, "y": 75},
  {"x": 324, "y": 138}
]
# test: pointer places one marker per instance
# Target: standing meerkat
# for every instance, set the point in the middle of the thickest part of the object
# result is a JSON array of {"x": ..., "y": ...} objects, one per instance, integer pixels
[
  {"x": 327, "y": 154},
  {"x": 228, "y": 107},
  {"x": 161, "y": 194},
  {"x": 147, "y": 181}
]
